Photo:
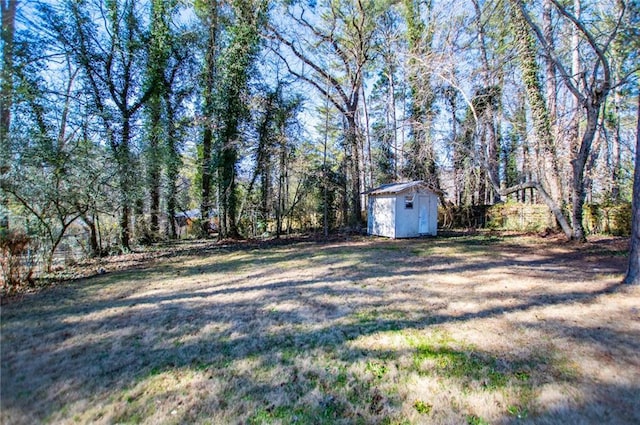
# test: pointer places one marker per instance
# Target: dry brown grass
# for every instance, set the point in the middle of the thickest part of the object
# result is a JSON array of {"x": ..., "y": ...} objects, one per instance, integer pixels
[{"x": 470, "y": 329}]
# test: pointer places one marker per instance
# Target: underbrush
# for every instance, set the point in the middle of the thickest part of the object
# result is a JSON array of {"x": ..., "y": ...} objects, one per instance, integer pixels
[{"x": 16, "y": 261}]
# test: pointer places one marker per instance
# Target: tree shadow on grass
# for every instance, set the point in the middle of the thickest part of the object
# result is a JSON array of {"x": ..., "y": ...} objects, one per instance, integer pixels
[{"x": 67, "y": 346}]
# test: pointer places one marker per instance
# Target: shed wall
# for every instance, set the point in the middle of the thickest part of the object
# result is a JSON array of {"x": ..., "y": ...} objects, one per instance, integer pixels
[
  {"x": 406, "y": 218},
  {"x": 428, "y": 214},
  {"x": 381, "y": 216},
  {"x": 389, "y": 215}
]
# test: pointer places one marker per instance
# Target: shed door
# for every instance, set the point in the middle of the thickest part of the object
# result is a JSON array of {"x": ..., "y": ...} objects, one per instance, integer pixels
[{"x": 423, "y": 217}]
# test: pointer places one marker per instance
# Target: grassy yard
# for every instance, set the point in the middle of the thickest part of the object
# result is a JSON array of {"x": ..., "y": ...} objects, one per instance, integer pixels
[{"x": 469, "y": 329}]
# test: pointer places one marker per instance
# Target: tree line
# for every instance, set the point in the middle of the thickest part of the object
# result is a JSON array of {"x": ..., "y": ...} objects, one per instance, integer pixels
[{"x": 117, "y": 115}]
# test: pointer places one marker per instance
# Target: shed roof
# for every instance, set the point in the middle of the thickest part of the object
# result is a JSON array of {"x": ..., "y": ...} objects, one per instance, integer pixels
[
  {"x": 188, "y": 214},
  {"x": 393, "y": 188},
  {"x": 195, "y": 213}
]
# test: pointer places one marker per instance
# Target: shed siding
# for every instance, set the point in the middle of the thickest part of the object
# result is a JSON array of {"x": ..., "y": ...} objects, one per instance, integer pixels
[
  {"x": 381, "y": 214},
  {"x": 389, "y": 216},
  {"x": 428, "y": 203},
  {"x": 406, "y": 219}
]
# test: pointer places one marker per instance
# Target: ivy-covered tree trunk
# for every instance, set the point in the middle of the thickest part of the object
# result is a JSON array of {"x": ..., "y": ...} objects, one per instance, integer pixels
[
  {"x": 228, "y": 192},
  {"x": 590, "y": 91},
  {"x": 173, "y": 162},
  {"x": 8, "y": 10},
  {"x": 209, "y": 78},
  {"x": 238, "y": 59},
  {"x": 158, "y": 56},
  {"x": 549, "y": 178},
  {"x": 351, "y": 136}
]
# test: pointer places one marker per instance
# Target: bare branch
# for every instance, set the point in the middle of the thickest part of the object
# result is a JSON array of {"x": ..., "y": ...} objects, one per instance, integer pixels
[
  {"x": 602, "y": 58},
  {"x": 549, "y": 52},
  {"x": 324, "y": 74},
  {"x": 303, "y": 77}
]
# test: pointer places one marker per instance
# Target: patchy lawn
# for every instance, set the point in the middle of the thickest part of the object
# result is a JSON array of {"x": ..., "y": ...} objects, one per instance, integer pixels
[{"x": 469, "y": 329}]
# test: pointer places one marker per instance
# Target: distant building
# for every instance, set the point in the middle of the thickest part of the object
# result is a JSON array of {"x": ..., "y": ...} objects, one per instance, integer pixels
[
  {"x": 402, "y": 210},
  {"x": 185, "y": 219}
]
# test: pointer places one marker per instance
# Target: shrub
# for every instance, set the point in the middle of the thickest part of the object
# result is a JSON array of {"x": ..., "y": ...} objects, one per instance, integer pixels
[
  {"x": 609, "y": 218},
  {"x": 15, "y": 264}
]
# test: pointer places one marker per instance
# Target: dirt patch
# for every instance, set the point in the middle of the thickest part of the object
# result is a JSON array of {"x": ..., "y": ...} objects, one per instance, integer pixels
[{"x": 460, "y": 329}]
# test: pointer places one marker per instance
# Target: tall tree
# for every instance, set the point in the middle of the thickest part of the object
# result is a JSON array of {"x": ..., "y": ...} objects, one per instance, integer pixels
[
  {"x": 633, "y": 270},
  {"x": 54, "y": 176},
  {"x": 8, "y": 10},
  {"x": 209, "y": 13},
  {"x": 421, "y": 158},
  {"x": 178, "y": 88},
  {"x": 159, "y": 52},
  {"x": 276, "y": 122},
  {"x": 590, "y": 87},
  {"x": 548, "y": 170},
  {"x": 109, "y": 52},
  {"x": 238, "y": 58},
  {"x": 631, "y": 42},
  {"x": 488, "y": 101},
  {"x": 384, "y": 99},
  {"x": 335, "y": 49},
  {"x": 232, "y": 43}
]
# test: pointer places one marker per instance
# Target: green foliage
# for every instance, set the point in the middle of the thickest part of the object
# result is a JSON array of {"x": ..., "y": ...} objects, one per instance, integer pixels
[
  {"x": 230, "y": 96},
  {"x": 476, "y": 420},
  {"x": 422, "y": 407},
  {"x": 519, "y": 216},
  {"x": 377, "y": 369},
  {"x": 604, "y": 218},
  {"x": 518, "y": 411},
  {"x": 464, "y": 365},
  {"x": 608, "y": 218},
  {"x": 530, "y": 76}
]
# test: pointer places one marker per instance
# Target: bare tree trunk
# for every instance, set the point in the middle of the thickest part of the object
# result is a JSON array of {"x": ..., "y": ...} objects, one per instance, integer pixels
[
  {"x": 557, "y": 183},
  {"x": 574, "y": 124},
  {"x": 493, "y": 157},
  {"x": 394, "y": 122},
  {"x": 491, "y": 149},
  {"x": 125, "y": 202},
  {"x": 282, "y": 190},
  {"x": 94, "y": 248},
  {"x": 355, "y": 218},
  {"x": 366, "y": 159},
  {"x": 633, "y": 271},
  {"x": 325, "y": 194},
  {"x": 578, "y": 165},
  {"x": 615, "y": 151}
]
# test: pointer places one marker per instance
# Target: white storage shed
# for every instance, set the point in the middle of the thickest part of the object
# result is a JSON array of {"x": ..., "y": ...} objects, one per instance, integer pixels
[{"x": 402, "y": 210}]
